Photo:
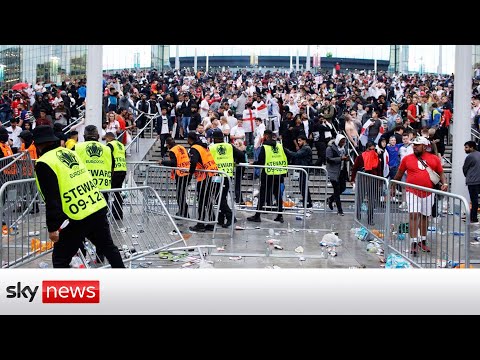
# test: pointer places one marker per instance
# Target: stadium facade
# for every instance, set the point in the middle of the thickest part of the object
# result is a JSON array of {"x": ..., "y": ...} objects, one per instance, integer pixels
[{"x": 57, "y": 63}]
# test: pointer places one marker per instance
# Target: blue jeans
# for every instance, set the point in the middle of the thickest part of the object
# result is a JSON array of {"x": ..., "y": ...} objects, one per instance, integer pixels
[
  {"x": 256, "y": 153},
  {"x": 185, "y": 123}
]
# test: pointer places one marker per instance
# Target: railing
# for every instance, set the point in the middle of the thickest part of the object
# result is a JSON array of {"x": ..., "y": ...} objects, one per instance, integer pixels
[
  {"x": 197, "y": 201},
  {"x": 475, "y": 135},
  {"x": 279, "y": 195},
  {"x": 135, "y": 140},
  {"x": 420, "y": 224},
  {"x": 25, "y": 235}
]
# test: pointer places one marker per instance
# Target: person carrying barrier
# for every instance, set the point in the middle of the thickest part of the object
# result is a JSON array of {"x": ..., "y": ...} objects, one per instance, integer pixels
[
  {"x": 271, "y": 154},
  {"x": 225, "y": 156},
  {"x": 201, "y": 158},
  {"x": 75, "y": 209},
  {"x": 178, "y": 158}
]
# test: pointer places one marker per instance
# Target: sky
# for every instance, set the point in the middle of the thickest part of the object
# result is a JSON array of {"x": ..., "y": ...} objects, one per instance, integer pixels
[{"x": 120, "y": 56}]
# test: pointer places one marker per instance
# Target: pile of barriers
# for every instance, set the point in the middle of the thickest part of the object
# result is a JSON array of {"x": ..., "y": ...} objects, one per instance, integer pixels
[{"x": 396, "y": 219}]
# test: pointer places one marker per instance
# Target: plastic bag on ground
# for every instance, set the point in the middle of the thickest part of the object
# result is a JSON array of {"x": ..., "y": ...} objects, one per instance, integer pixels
[
  {"x": 330, "y": 240},
  {"x": 395, "y": 261}
]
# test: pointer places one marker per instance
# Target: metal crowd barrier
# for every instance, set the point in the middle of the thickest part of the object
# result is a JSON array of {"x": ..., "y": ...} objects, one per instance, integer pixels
[
  {"x": 286, "y": 188},
  {"x": 370, "y": 203},
  {"x": 140, "y": 225},
  {"x": 447, "y": 236},
  {"x": 24, "y": 233},
  {"x": 317, "y": 186},
  {"x": 16, "y": 167},
  {"x": 395, "y": 222},
  {"x": 186, "y": 199}
]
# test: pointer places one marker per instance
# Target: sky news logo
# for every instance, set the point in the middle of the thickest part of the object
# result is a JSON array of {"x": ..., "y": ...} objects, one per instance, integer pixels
[{"x": 59, "y": 292}]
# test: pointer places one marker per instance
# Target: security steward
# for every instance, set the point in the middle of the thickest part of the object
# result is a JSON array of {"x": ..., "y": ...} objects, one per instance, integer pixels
[
  {"x": 225, "y": 156},
  {"x": 271, "y": 154},
  {"x": 201, "y": 158},
  {"x": 97, "y": 157},
  {"x": 119, "y": 172},
  {"x": 179, "y": 158},
  {"x": 70, "y": 194},
  {"x": 6, "y": 151}
]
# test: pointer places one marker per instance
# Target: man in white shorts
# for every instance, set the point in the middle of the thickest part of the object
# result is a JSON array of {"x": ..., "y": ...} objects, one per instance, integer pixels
[{"x": 419, "y": 202}]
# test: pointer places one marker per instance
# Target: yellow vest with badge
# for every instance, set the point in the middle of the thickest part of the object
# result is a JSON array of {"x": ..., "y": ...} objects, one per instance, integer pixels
[
  {"x": 223, "y": 155},
  {"x": 98, "y": 159},
  {"x": 275, "y": 156},
  {"x": 79, "y": 195},
  {"x": 119, "y": 156}
]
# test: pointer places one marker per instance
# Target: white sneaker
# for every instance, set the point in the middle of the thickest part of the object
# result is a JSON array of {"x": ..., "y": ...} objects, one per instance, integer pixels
[{"x": 474, "y": 223}]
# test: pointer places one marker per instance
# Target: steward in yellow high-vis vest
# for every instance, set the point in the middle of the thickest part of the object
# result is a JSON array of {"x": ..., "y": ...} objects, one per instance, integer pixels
[
  {"x": 74, "y": 206},
  {"x": 119, "y": 172},
  {"x": 271, "y": 154},
  {"x": 97, "y": 157},
  {"x": 225, "y": 156}
]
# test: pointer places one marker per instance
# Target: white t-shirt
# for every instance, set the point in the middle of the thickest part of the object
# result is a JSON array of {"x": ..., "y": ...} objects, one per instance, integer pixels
[
  {"x": 232, "y": 121},
  {"x": 238, "y": 131},
  {"x": 259, "y": 135},
  {"x": 13, "y": 135},
  {"x": 404, "y": 151},
  {"x": 164, "y": 129},
  {"x": 204, "y": 105}
]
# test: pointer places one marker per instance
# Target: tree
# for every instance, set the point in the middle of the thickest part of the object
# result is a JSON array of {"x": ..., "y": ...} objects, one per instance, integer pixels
[{"x": 329, "y": 54}]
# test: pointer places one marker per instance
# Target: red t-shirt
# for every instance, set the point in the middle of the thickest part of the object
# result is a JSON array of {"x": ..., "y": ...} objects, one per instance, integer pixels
[
  {"x": 416, "y": 175},
  {"x": 413, "y": 110},
  {"x": 123, "y": 125}
]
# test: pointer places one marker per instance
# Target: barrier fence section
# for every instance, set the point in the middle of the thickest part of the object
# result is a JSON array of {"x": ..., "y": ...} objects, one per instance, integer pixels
[
  {"x": 422, "y": 225},
  {"x": 370, "y": 204},
  {"x": 434, "y": 216},
  {"x": 264, "y": 197},
  {"x": 24, "y": 232},
  {"x": 140, "y": 225},
  {"x": 190, "y": 200},
  {"x": 16, "y": 167},
  {"x": 317, "y": 186}
]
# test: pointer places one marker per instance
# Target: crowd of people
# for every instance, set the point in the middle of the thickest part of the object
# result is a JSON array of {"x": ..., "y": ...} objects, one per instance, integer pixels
[{"x": 374, "y": 120}]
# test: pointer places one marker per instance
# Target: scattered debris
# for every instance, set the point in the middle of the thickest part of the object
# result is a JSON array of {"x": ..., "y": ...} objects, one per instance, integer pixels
[
  {"x": 235, "y": 258},
  {"x": 272, "y": 241},
  {"x": 475, "y": 242},
  {"x": 220, "y": 249},
  {"x": 34, "y": 233},
  {"x": 299, "y": 249},
  {"x": 239, "y": 227},
  {"x": 135, "y": 236},
  {"x": 301, "y": 258},
  {"x": 278, "y": 247}
]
